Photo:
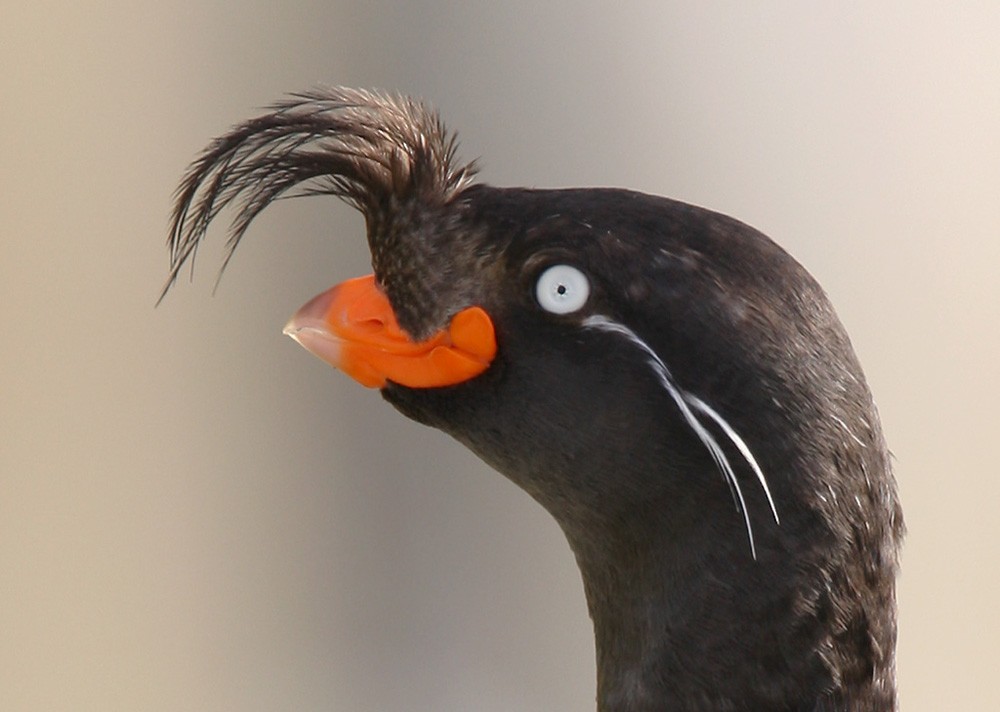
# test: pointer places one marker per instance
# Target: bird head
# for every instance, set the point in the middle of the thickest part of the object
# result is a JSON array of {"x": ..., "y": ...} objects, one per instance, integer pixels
[{"x": 665, "y": 380}]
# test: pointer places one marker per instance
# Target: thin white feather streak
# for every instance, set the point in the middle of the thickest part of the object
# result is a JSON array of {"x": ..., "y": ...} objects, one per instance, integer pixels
[
  {"x": 740, "y": 444},
  {"x": 666, "y": 380}
]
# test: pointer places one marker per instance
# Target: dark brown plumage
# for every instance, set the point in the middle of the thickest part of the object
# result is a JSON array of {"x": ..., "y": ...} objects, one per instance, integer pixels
[{"x": 696, "y": 348}]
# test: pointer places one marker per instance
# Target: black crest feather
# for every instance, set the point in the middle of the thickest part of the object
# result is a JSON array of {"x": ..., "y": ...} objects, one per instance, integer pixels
[{"x": 374, "y": 150}]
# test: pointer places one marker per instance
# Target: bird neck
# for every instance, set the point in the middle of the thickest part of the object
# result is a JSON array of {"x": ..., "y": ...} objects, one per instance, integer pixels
[
  {"x": 686, "y": 622},
  {"x": 653, "y": 644}
]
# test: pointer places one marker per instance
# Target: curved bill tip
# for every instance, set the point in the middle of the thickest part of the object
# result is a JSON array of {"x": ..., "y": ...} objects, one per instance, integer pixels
[
  {"x": 316, "y": 340},
  {"x": 309, "y": 328}
]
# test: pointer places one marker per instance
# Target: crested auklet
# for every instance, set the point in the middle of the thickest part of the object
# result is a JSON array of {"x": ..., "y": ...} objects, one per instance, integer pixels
[{"x": 671, "y": 385}]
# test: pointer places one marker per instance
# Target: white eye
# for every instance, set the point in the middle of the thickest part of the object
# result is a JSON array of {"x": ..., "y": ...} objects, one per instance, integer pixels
[{"x": 562, "y": 289}]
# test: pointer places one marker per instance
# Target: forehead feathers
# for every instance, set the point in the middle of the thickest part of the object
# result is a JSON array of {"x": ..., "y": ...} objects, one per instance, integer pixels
[{"x": 376, "y": 151}]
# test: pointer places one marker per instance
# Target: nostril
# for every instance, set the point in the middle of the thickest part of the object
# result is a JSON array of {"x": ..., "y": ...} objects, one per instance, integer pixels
[
  {"x": 370, "y": 324},
  {"x": 358, "y": 307}
]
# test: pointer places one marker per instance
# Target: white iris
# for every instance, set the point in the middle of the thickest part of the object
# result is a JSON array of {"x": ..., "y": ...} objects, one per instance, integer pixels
[{"x": 562, "y": 289}]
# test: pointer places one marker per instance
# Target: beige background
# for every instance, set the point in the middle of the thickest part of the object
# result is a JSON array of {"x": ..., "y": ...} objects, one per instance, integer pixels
[{"x": 196, "y": 515}]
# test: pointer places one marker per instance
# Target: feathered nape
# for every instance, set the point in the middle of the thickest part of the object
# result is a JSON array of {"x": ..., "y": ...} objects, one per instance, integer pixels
[{"x": 371, "y": 149}]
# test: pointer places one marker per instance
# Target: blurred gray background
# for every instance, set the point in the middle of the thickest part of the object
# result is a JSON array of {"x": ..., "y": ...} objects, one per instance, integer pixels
[{"x": 197, "y": 515}]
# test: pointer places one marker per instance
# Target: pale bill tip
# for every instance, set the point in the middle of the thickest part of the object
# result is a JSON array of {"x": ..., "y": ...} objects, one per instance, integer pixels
[{"x": 316, "y": 340}]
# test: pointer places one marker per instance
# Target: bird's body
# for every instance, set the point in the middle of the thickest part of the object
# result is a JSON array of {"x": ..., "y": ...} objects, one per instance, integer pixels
[{"x": 666, "y": 381}]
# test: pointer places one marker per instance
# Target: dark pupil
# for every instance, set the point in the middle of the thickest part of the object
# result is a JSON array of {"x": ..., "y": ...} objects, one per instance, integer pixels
[{"x": 561, "y": 290}]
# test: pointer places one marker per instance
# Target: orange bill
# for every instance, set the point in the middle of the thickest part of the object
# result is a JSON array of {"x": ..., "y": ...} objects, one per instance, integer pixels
[{"x": 353, "y": 328}]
